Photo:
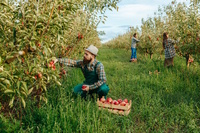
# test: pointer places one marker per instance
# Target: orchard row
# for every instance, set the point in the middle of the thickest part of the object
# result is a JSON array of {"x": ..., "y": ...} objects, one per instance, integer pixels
[{"x": 179, "y": 20}]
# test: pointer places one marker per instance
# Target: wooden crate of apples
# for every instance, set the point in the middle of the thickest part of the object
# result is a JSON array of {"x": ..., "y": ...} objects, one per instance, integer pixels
[{"x": 121, "y": 107}]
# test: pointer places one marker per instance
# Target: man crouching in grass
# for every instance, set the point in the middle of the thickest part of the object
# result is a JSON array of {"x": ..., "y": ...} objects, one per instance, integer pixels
[{"x": 93, "y": 71}]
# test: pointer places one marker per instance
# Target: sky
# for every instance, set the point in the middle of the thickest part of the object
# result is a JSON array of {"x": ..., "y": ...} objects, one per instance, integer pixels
[{"x": 130, "y": 13}]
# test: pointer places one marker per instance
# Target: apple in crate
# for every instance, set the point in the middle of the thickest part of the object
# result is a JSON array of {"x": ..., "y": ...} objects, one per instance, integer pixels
[
  {"x": 115, "y": 102},
  {"x": 109, "y": 100},
  {"x": 119, "y": 100},
  {"x": 103, "y": 100},
  {"x": 126, "y": 100},
  {"x": 123, "y": 103}
]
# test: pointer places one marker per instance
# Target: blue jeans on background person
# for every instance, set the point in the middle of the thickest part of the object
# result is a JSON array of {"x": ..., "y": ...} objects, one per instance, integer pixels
[{"x": 134, "y": 53}]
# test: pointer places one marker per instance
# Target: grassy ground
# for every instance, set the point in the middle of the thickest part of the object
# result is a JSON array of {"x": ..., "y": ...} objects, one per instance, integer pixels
[{"x": 165, "y": 102}]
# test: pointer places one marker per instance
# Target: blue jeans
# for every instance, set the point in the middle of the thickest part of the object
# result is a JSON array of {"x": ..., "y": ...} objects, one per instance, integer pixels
[{"x": 134, "y": 53}]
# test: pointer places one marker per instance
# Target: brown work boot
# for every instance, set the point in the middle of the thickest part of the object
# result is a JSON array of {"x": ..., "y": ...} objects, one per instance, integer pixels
[{"x": 135, "y": 60}]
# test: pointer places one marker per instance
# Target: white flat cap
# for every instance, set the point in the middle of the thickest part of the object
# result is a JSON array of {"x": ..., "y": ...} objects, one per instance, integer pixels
[{"x": 92, "y": 49}]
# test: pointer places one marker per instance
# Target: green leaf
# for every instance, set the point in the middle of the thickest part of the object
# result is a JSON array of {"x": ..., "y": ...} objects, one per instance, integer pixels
[
  {"x": 3, "y": 86},
  {"x": 30, "y": 90},
  {"x": 49, "y": 50},
  {"x": 44, "y": 99},
  {"x": 32, "y": 44},
  {"x": 8, "y": 91},
  {"x": 55, "y": 78},
  {"x": 9, "y": 57},
  {"x": 7, "y": 82},
  {"x": 44, "y": 87},
  {"x": 18, "y": 84},
  {"x": 58, "y": 83},
  {"x": 11, "y": 102},
  {"x": 0, "y": 60},
  {"x": 23, "y": 102},
  {"x": 23, "y": 92},
  {"x": 25, "y": 86}
]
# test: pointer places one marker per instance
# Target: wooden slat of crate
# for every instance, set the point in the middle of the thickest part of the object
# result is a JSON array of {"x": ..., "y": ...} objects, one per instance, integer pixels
[{"x": 118, "y": 112}]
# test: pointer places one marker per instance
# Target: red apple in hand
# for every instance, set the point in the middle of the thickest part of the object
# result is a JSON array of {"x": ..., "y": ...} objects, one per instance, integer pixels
[
  {"x": 83, "y": 87},
  {"x": 126, "y": 100}
]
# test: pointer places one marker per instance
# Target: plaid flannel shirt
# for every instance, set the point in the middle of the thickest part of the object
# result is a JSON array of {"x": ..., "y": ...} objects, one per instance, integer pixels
[
  {"x": 79, "y": 64},
  {"x": 169, "y": 48}
]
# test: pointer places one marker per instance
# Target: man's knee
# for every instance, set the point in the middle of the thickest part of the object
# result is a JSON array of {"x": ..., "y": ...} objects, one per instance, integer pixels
[
  {"x": 103, "y": 90},
  {"x": 78, "y": 89}
]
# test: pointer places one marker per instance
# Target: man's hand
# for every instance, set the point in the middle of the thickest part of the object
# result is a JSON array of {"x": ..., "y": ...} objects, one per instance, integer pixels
[
  {"x": 85, "y": 88},
  {"x": 55, "y": 60}
]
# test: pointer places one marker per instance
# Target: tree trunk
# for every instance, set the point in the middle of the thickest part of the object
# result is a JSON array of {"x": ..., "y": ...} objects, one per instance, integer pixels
[
  {"x": 151, "y": 55},
  {"x": 187, "y": 60}
]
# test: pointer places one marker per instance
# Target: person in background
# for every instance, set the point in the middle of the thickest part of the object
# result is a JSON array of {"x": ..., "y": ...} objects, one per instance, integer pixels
[
  {"x": 168, "y": 46},
  {"x": 93, "y": 71},
  {"x": 134, "y": 42}
]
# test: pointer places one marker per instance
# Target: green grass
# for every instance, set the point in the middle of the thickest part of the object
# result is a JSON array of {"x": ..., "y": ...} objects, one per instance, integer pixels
[{"x": 165, "y": 102}]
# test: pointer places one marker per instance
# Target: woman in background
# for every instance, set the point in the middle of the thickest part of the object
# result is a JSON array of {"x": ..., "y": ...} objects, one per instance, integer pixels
[{"x": 134, "y": 41}]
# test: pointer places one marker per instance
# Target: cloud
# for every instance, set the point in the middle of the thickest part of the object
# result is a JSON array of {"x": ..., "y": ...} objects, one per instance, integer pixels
[
  {"x": 112, "y": 32},
  {"x": 130, "y": 14},
  {"x": 134, "y": 10}
]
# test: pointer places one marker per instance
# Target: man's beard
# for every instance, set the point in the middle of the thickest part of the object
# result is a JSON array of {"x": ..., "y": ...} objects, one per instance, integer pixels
[{"x": 85, "y": 61}]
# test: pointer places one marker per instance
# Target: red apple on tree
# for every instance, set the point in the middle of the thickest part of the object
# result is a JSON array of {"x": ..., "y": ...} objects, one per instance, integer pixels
[
  {"x": 27, "y": 72},
  {"x": 22, "y": 60},
  {"x": 54, "y": 67},
  {"x": 39, "y": 75},
  {"x": 64, "y": 72}
]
